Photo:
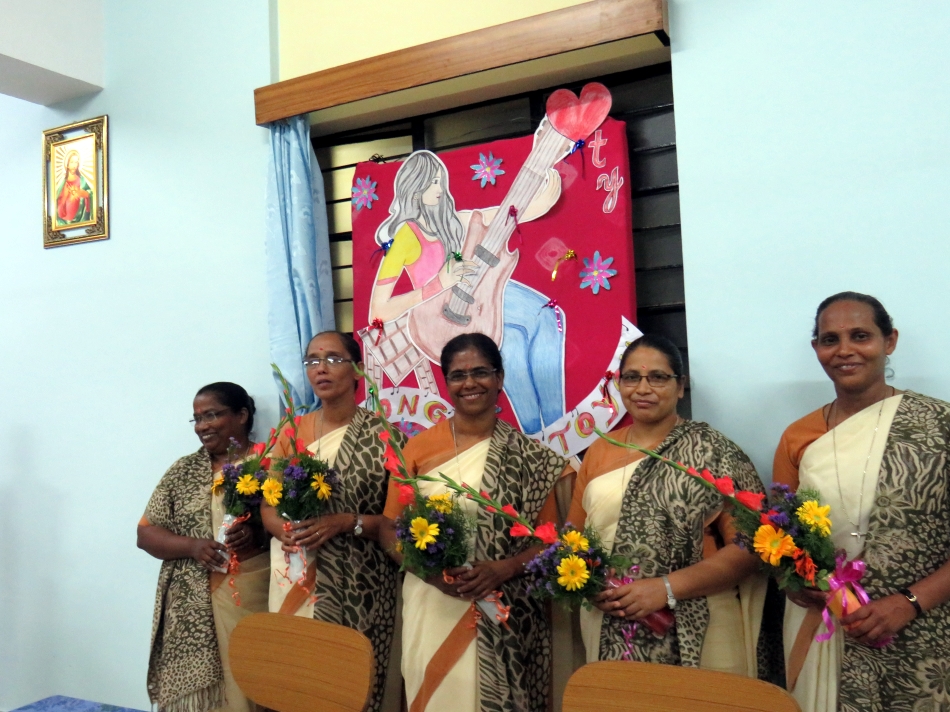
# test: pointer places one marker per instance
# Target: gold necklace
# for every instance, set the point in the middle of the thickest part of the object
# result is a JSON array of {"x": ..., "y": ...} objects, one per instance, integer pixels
[{"x": 857, "y": 533}]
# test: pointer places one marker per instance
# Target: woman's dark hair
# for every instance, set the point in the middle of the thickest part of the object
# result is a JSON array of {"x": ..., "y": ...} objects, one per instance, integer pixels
[
  {"x": 881, "y": 318},
  {"x": 351, "y": 345},
  {"x": 661, "y": 344},
  {"x": 231, "y": 396},
  {"x": 481, "y": 343}
]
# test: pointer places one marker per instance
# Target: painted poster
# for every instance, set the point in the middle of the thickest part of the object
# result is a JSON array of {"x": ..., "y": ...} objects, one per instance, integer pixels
[{"x": 527, "y": 240}]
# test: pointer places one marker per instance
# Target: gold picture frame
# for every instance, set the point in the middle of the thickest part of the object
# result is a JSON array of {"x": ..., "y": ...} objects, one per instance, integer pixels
[{"x": 76, "y": 183}]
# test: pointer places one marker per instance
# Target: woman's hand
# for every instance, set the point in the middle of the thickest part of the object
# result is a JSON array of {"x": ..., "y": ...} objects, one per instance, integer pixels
[
  {"x": 456, "y": 274},
  {"x": 209, "y": 553},
  {"x": 240, "y": 538},
  {"x": 879, "y": 620},
  {"x": 483, "y": 578},
  {"x": 633, "y": 601},
  {"x": 808, "y": 598},
  {"x": 314, "y": 533}
]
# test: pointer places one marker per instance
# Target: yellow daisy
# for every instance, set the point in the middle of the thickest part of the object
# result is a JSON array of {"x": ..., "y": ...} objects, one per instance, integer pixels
[
  {"x": 423, "y": 532},
  {"x": 272, "y": 490},
  {"x": 573, "y": 573},
  {"x": 217, "y": 487},
  {"x": 440, "y": 502},
  {"x": 815, "y": 517},
  {"x": 772, "y": 544},
  {"x": 247, "y": 485},
  {"x": 321, "y": 486},
  {"x": 576, "y": 540}
]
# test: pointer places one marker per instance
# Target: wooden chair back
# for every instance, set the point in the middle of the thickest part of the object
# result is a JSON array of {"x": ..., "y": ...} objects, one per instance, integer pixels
[
  {"x": 294, "y": 664},
  {"x": 613, "y": 686}
]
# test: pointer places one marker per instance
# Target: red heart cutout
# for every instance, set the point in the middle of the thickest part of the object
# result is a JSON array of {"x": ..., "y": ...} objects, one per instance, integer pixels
[{"x": 577, "y": 118}]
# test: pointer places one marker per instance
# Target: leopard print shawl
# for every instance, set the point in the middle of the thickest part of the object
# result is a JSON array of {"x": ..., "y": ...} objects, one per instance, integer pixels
[
  {"x": 514, "y": 666},
  {"x": 184, "y": 667}
]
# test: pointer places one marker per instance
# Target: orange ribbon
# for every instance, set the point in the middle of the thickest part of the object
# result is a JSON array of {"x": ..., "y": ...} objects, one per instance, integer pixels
[{"x": 234, "y": 566}]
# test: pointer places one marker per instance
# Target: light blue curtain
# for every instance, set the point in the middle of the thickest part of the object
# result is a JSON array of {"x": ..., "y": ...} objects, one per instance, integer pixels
[{"x": 299, "y": 282}]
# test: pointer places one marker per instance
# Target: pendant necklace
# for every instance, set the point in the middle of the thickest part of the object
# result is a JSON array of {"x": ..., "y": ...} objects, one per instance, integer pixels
[{"x": 857, "y": 533}]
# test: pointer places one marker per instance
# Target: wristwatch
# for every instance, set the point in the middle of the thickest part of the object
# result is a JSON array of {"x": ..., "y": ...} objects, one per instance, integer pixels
[
  {"x": 358, "y": 529},
  {"x": 906, "y": 593},
  {"x": 670, "y": 598}
]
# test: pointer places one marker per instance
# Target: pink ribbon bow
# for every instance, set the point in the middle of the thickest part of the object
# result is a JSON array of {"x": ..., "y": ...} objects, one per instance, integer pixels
[
  {"x": 378, "y": 324},
  {"x": 847, "y": 574}
]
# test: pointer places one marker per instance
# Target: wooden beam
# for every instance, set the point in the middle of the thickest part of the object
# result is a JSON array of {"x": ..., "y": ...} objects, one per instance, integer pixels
[{"x": 576, "y": 27}]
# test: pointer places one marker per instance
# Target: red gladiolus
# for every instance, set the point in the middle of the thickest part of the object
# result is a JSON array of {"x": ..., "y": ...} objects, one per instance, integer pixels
[
  {"x": 265, "y": 463},
  {"x": 708, "y": 476},
  {"x": 489, "y": 508},
  {"x": 509, "y": 510},
  {"x": 297, "y": 420},
  {"x": 546, "y": 533},
  {"x": 258, "y": 448},
  {"x": 725, "y": 485},
  {"x": 764, "y": 519},
  {"x": 295, "y": 461},
  {"x": 300, "y": 445},
  {"x": 392, "y": 460},
  {"x": 752, "y": 500},
  {"x": 407, "y": 495},
  {"x": 518, "y": 529},
  {"x": 484, "y": 494},
  {"x": 384, "y": 436},
  {"x": 692, "y": 471},
  {"x": 289, "y": 432},
  {"x": 273, "y": 435}
]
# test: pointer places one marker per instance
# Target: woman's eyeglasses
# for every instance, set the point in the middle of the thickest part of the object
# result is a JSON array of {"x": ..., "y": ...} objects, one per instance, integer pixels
[
  {"x": 479, "y": 374},
  {"x": 330, "y": 361},
  {"x": 655, "y": 379},
  {"x": 208, "y": 417}
]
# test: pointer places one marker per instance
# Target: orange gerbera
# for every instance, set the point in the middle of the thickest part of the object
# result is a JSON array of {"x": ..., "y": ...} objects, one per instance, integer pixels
[
  {"x": 772, "y": 544},
  {"x": 804, "y": 566}
]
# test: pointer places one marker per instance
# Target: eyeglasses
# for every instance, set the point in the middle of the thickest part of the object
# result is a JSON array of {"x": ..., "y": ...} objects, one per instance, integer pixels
[
  {"x": 478, "y": 374},
  {"x": 207, "y": 417},
  {"x": 655, "y": 379},
  {"x": 330, "y": 361}
]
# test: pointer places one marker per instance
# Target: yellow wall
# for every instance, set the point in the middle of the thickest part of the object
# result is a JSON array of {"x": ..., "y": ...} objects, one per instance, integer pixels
[{"x": 318, "y": 34}]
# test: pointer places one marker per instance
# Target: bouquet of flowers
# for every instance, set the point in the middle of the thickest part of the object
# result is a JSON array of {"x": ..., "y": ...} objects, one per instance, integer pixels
[
  {"x": 433, "y": 533},
  {"x": 241, "y": 485},
  {"x": 573, "y": 569},
  {"x": 302, "y": 486},
  {"x": 791, "y": 533}
]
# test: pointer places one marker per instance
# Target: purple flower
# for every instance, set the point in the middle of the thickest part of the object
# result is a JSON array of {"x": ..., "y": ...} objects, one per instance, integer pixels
[
  {"x": 780, "y": 519},
  {"x": 596, "y": 273}
]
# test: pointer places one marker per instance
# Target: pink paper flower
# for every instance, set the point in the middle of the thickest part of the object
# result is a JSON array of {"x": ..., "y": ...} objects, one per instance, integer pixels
[
  {"x": 596, "y": 273},
  {"x": 364, "y": 193},
  {"x": 487, "y": 169}
]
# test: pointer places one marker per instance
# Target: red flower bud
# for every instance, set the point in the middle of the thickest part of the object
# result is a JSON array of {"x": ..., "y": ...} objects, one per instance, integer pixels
[
  {"x": 692, "y": 471},
  {"x": 258, "y": 448},
  {"x": 489, "y": 508},
  {"x": 265, "y": 463},
  {"x": 300, "y": 445},
  {"x": 518, "y": 529},
  {"x": 508, "y": 509},
  {"x": 297, "y": 420},
  {"x": 725, "y": 485},
  {"x": 407, "y": 495},
  {"x": 752, "y": 500},
  {"x": 708, "y": 476},
  {"x": 546, "y": 533}
]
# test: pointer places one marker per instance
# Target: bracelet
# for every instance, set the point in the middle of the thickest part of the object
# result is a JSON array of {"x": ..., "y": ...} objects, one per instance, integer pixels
[{"x": 906, "y": 593}]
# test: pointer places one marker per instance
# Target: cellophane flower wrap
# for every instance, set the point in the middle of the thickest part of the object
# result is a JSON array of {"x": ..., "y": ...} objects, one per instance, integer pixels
[
  {"x": 573, "y": 569},
  {"x": 433, "y": 534}
]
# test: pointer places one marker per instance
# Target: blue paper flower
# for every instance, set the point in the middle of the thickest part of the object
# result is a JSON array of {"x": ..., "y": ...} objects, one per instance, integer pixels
[
  {"x": 487, "y": 169},
  {"x": 596, "y": 273},
  {"x": 364, "y": 193}
]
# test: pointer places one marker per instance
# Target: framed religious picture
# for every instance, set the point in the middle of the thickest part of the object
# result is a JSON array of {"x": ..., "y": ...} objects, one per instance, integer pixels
[{"x": 76, "y": 183}]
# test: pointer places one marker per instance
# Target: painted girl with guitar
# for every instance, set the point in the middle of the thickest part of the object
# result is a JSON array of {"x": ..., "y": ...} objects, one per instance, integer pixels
[{"x": 423, "y": 235}]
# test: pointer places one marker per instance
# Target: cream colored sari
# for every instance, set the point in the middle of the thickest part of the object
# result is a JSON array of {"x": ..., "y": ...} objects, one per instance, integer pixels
[
  {"x": 816, "y": 686},
  {"x": 250, "y": 589},
  {"x": 428, "y": 615},
  {"x": 326, "y": 448},
  {"x": 734, "y": 619}
]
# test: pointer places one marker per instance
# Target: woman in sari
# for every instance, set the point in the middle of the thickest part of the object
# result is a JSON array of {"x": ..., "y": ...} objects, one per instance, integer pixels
[
  {"x": 197, "y": 606},
  {"x": 671, "y": 527},
  {"x": 878, "y": 456},
  {"x": 453, "y": 658},
  {"x": 349, "y": 579}
]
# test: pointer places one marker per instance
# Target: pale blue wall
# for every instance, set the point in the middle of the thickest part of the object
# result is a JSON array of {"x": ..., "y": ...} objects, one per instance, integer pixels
[
  {"x": 813, "y": 142},
  {"x": 103, "y": 345}
]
